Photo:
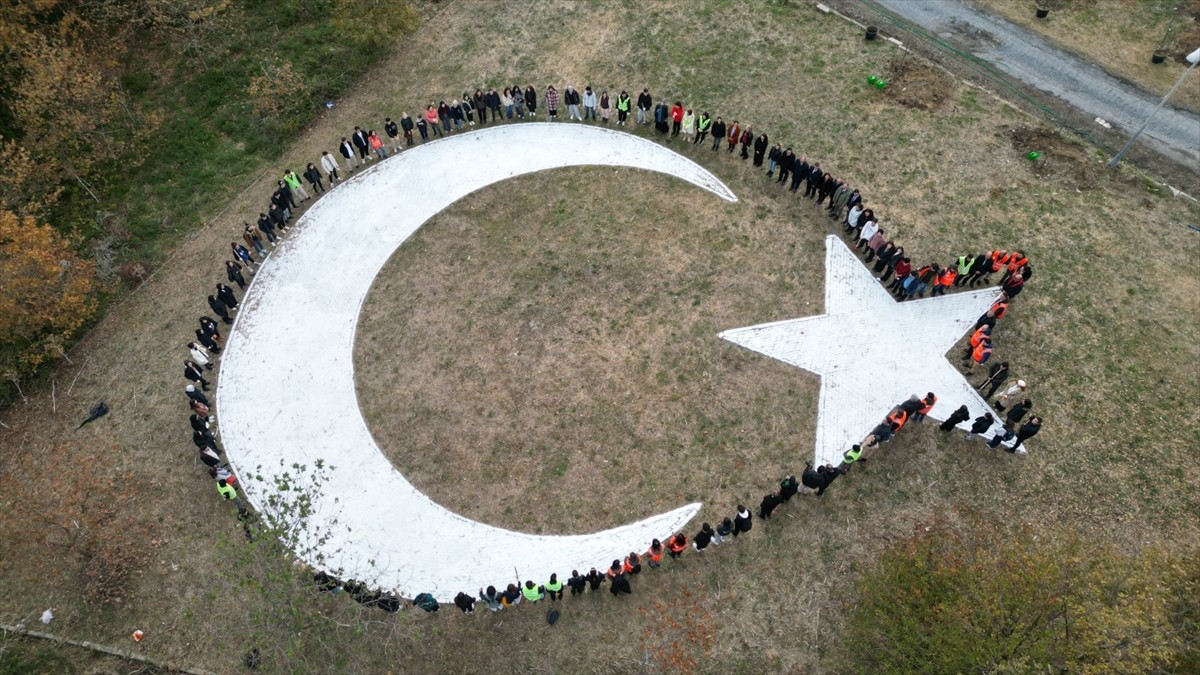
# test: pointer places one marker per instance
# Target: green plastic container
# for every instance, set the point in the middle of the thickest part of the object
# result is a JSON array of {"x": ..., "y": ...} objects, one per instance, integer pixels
[
  {"x": 1033, "y": 155},
  {"x": 880, "y": 84},
  {"x": 872, "y": 79}
]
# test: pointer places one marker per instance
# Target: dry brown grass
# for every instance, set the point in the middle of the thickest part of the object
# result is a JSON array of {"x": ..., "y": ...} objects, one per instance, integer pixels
[
  {"x": 1120, "y": 36},
  {"x": 1107, "y": 334}
]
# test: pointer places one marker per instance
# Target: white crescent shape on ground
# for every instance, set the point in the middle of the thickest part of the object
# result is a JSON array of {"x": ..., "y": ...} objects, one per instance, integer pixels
[
  {"x": 286, "y": 390},
  {"x": 873, "y": 352}
]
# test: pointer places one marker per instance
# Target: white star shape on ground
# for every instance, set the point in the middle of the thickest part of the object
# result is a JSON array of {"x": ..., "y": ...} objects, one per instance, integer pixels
[{"x": 873, "y": 352}]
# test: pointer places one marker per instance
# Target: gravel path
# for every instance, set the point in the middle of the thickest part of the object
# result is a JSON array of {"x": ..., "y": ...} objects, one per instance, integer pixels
[{"x": 1037, "y": 62}]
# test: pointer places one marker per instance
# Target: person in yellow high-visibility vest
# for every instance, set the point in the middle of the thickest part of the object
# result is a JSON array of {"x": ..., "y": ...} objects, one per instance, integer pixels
[
  {"x": 554, "y": 587},
  {"x": 532, "y": 593}
]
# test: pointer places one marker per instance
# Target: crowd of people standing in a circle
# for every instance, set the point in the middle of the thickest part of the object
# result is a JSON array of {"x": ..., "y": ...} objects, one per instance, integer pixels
[{"x": 789, "y": 171}]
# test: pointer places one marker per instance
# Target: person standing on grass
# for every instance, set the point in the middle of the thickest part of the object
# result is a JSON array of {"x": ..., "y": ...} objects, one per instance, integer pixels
[
  {"x": 347, "y": 152},
  {"x": 532, "y": 593},
  {"x": 811, "y": 478},
  {"x": 377, "y": 146},
  {"x": 518, "y": 101},
  {"x": 718, "y": 133},
  {"x": 234, "y": 272},
  {"x": 554, "y": 587},
  {"x": 927, "y": 404},
  {"x": 1016, "y": 413},
  {"x": 195, "y": 396},
  {"x": 869, "y": 229},
  {"x": 589, "y": 103},
  {"x": 207, "y": 341},
  {"x": 219, "y": 308},
  {"x": 192, "y": 373},
  {"x": 841, "y": 196},
  {"x": 267, "y": 227},
  {"x": 644, "y": 103},
  {"x": 746, "y": 141},
  {"x": 595, "y": 579},
  {"x": 788, "y": 487},
  {"x": 703, "y": 538},
  {"x": 294, "y": 185},
  {"x": 980, "y": 426},
  {"x": 361, "y": 144},
  {"x": 577, "y": 583},
  {"x": 329, "y": 165},
  {"x": 210, "y": 328},
  {"x": 225, "y": 295},
  {"x": 313, "y": 175},
  {"x": 393, "y": 133},
  {"x": 760, "y": 149},
  {"x": 769, "y": 502},
  {"x": 406, "y": 128},
  {"x": 654, "y": 554},
  {"x": 422, "y": 128},
  {"x": 229, "y": 493},
  {"x": 199, "y": 355},
  {"x": 676, "y": 544},
  {"x": 605, "y": 107},
  {"x": 981, "y": 353},
  {"x": 620, "y": 584},
  {"x": 676, "y": 118},
  {"x": 531, "y": 100},
  {"x": 787, "y": 162},
  {"x": 464, "y": 602},
  {"x": 689, "y": 126},
  {"x": 551, "y": 102},
  {"x": 742, "y": 522},
  {"x": 956, "y": 418},
  {"x": 724, "y": 529},
  {"x": 996, "y": 377},
  {"x": 633, "y": 563},
  {"x": 492, "y": 99},
  {"x": 1012, "y": 393},
  {"x": 443, "y": 111},
  {"x": 432, "y": 120},
  {"x": 506, "y": 102},
  {"x": 491, "y": 598},
  {"x": 703, "y": 124},
  {"x": 511, "y": 597},
  {"x": 1027, "y": 431}
]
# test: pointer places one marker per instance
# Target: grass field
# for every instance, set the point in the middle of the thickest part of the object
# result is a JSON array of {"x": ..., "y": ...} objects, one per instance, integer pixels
[{"x": 1106, "y": 334}]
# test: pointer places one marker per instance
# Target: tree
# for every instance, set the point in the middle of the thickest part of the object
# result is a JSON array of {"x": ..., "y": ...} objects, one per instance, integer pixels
[
  {"x": 993, "y": 601},
  {"x": 47, "y": 295}
]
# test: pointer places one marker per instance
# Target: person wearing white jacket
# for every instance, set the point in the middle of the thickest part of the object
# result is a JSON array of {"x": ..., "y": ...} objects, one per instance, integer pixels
[
  {"x": 200, "y": 355},
  {"x": 868, "y": 231},
  {"x": 329, "y": 164},
  {"x": 1013, "y": 392}
]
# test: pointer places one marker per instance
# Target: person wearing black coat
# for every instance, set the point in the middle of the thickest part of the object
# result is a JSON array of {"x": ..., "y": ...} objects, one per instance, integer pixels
[
  {"x": 530, "y": 100},
  {"x": 393, "y": 133},
  {"x": 981, "y": 425},
  {"x": 788, "y": 487},
  {"x": 760, "y": 149},
  {"x": 1016, "y": 412},
  {"x": 769, "y": 502},
  {"x": 313, "y": 175},
  {"x": 644, "y": 103},
  {"x": 361, "y": 144},
  {"x": 210, "y": 328},
  {"x": 225, "y": 295},
  {"x": 787, "y": 162},
  {"x": 283, "y": 199},
  {"x": 406, "y": 125},
  {"x": 718, "y": 133},
  {"x": 193, "y": 373},
  {"x": 202, "y": 439},
  {"x": 199, "y": 423},
  {"x": 828, "y": 186},
  {"x": 207, "y": 341},
  {"x": 1027, "y": 431},
  {"x": 957, "y": 417},
  {"x": 815, "y": 176},
  {"x": 194, "y": 395},
  {"x": 278, "y": 219},
  {"x": 234, "y": 272},
  {"x": 492, "y": 100},
  {"x": 800, "y": 173},
  {"x": 743, "y": 521},
  {"x": 219, "y": 309},
  {"x": 266, "y": 226},
  {"x": 996, "y": 377}
]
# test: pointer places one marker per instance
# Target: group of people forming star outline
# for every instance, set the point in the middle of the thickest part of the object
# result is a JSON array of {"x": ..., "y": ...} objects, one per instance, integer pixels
[{"x": 673, "y": 121}]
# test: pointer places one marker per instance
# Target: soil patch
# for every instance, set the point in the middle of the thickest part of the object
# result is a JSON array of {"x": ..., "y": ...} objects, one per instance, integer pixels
[
  {"x": 1058, "y": 160},
  {"x": 914, "y": 83}
]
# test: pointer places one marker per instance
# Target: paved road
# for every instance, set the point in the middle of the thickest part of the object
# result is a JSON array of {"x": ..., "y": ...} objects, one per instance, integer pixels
[{"x": 1037, "y": 62}]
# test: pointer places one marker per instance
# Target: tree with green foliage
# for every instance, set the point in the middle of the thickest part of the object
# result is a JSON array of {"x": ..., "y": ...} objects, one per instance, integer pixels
[{"x": 987, "y": 600}]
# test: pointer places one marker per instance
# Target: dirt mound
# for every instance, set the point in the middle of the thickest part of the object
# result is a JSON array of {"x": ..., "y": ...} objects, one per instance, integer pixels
[
  {"x": 915, "y": 84},
  {"x": 1059, "y": 159}
]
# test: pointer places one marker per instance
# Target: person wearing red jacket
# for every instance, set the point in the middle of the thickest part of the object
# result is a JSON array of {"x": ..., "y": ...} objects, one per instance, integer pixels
[
  {"x": 676, "y": 118},
  {"x": 734, "y": 135}
]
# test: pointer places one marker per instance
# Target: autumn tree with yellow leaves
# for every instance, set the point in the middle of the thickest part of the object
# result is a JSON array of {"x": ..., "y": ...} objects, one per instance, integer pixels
[{"x": 46, "y": 297}]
